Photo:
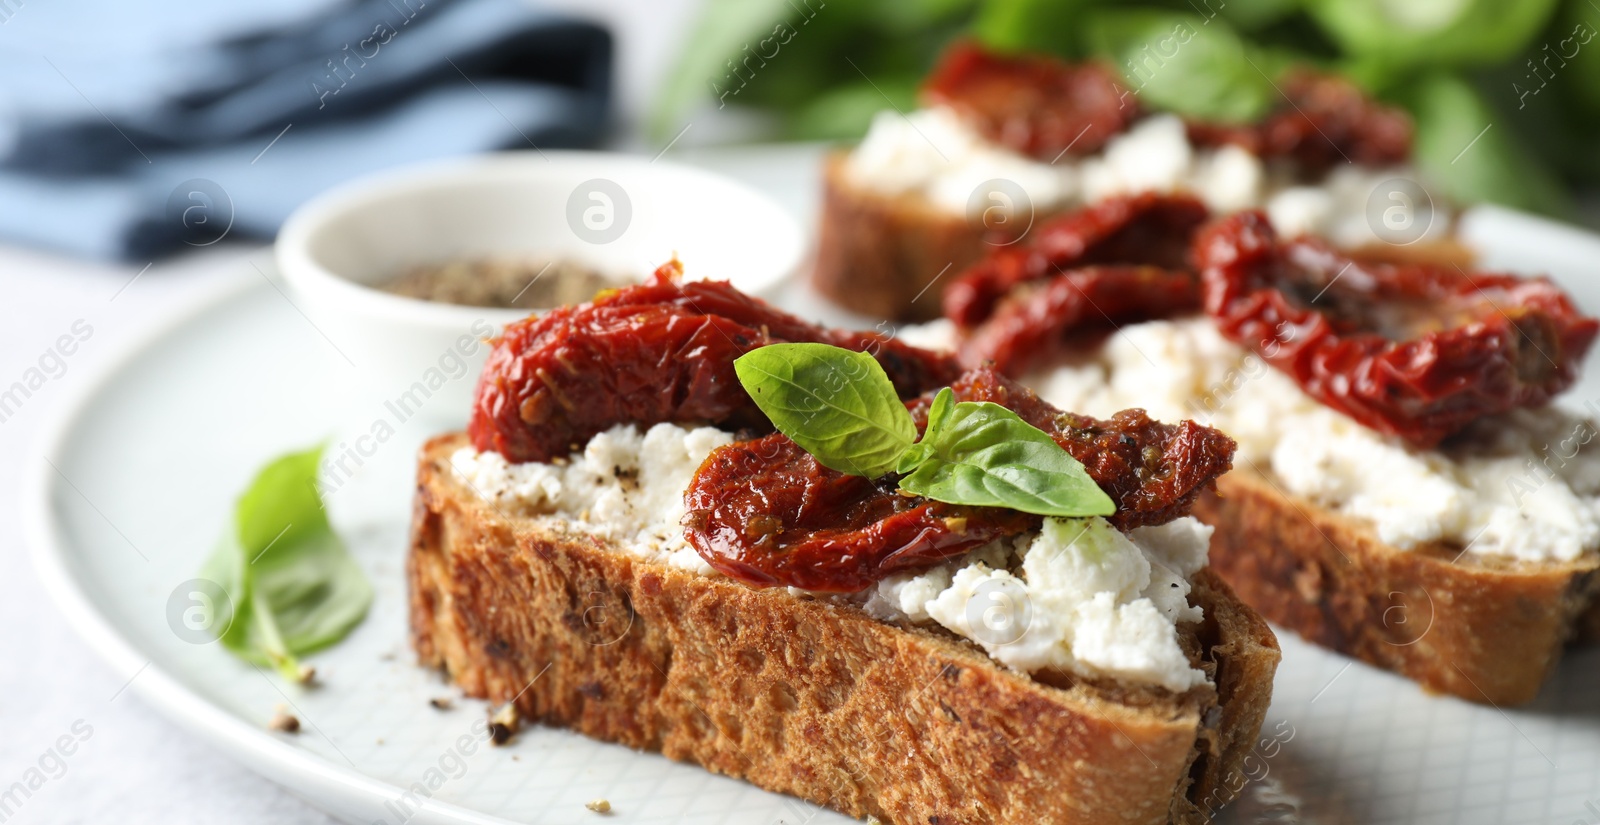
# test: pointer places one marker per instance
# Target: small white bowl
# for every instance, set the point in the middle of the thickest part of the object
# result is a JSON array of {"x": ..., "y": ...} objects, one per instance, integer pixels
[{"x": 620, "y": 214}]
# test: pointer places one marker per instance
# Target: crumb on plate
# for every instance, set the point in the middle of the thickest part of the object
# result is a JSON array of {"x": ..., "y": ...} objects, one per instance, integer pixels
[{"x": 283, "y": 721}]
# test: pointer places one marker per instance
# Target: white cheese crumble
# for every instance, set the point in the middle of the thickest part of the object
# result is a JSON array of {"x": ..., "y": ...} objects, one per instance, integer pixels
[
  {"x": 932, "y": 153},
  {"x": 625, "y": 486},
  {"x": 1098, "y": 602},
  {"x": 1084, "y": 598},
  {"x": 1525, "y": 486}
]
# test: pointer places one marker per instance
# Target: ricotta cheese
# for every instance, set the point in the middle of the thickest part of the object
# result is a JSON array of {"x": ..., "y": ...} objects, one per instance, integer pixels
[
  {"x": 1079, "y": 596},
  {"x": 932, "y": 153},
  {"x": 626, "y": 486}
]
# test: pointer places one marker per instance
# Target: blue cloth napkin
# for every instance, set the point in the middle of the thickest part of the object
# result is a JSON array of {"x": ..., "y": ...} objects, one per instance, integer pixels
[{"x": 128, "y": 130}]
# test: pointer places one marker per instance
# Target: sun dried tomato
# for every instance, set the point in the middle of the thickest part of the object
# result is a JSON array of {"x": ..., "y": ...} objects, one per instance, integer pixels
[
  {"x": 1148, "y": 229},
  {"x": 1038, "y": 106},
  {"x": 1321, "y": 121},
  {"x": 765, "y": 513},
  {"x": 1043, "y": 107},
  {"x": 1039, "y": 321},
  {"x": 644, "y": 354},
  {"x": 1411, "y": 350}
]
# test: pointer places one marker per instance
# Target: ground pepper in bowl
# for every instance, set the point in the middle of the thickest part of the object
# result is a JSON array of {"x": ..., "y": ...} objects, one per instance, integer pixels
[{"x": 506, "y": 283}]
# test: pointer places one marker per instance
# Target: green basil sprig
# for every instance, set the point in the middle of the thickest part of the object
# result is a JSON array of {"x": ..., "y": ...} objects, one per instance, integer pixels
[
  {"x": 840, "y": 407},
  {"x": 293, "y": 586}
]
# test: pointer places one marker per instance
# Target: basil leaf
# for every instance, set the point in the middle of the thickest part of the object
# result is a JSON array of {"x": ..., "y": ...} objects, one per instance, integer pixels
[
  {"x": 1252, "y": 15},
  {"x": 1027, "y": 25},
  {"x": 1437, "y": 33},
  {"x": 1184, "y": 63},
  {"x": 1494, "y": 166},
  {"x": 722, "y": 29},
  {"x": 983, "y": 454},
  {"x": 938, "y": 416},
  {"x": 294, "y": 587},
  {"x": 845, "y": 111},
  {"x": 838, "y": 405},
  {"x": 282, "y": 503}
]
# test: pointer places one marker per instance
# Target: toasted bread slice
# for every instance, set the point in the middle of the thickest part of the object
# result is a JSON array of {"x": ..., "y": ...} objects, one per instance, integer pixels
[
  {"x": 1481, "y": 628},
  {"x": 811, "y": 697}
]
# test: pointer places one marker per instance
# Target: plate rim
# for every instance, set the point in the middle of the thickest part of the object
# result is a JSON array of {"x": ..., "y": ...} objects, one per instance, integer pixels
[{"x": 300, "y": 771}]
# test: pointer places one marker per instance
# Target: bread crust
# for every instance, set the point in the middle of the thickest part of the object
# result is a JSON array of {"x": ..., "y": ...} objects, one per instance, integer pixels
[
  {"x": 812, "y": 698},
  {"x": 1480, "y": 628},
  {"x": 889, "y": 256}
]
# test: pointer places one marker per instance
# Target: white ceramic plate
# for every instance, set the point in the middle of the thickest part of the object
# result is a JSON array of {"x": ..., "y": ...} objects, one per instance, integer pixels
[{"x": 143, "y": 470}]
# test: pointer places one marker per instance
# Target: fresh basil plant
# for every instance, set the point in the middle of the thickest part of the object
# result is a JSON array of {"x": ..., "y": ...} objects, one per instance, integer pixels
[{"x": 840, "y": 407}]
